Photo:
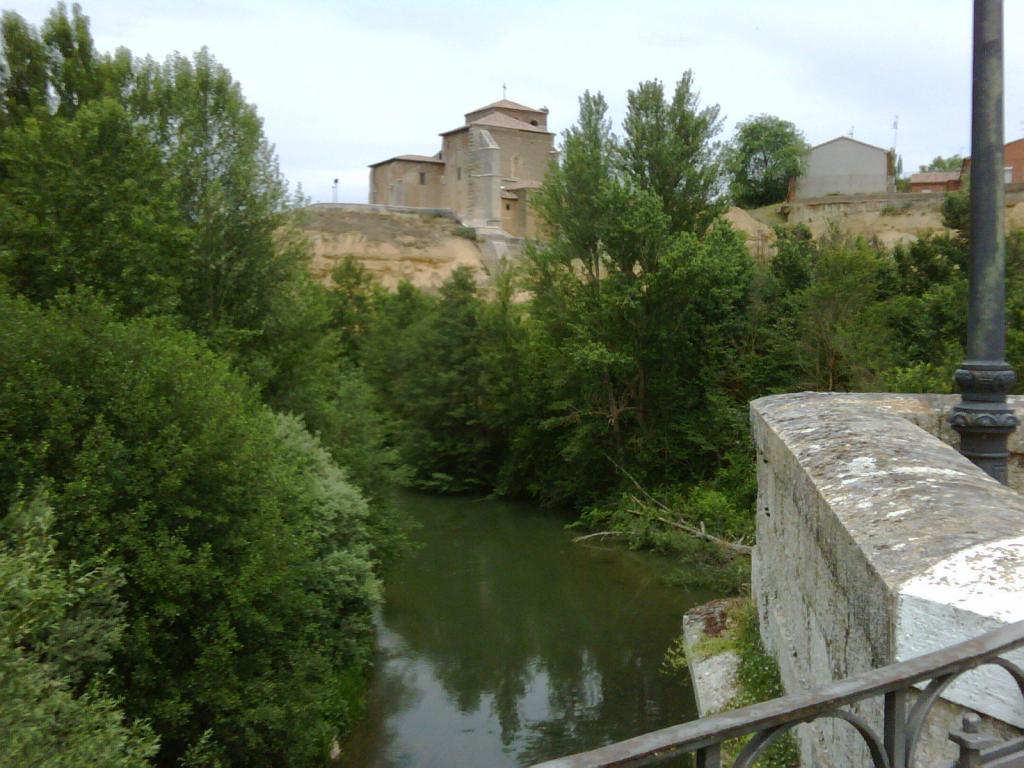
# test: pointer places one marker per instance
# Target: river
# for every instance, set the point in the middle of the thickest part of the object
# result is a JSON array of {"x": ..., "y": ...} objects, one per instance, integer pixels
[{"x": 502, "y": 643}]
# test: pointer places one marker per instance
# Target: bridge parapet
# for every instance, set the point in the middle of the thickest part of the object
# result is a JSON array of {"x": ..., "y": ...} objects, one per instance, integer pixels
[{"x": 877, "y": 542}]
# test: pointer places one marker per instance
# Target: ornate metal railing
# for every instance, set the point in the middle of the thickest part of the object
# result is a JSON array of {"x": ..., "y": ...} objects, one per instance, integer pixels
[{"x": 894, "y": 747}]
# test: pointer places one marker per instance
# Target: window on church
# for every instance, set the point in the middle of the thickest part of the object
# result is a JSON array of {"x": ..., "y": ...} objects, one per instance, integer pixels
[
  {"x": 508, "y": 206},
  {"x": 423, "y": 178}
]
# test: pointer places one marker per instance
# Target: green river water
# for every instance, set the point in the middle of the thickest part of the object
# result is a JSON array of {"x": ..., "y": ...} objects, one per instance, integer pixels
[{"x": 502, "y": 643}]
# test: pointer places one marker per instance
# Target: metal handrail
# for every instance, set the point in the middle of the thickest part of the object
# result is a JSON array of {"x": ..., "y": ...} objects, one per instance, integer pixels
[{"x": 893, "y": 748}]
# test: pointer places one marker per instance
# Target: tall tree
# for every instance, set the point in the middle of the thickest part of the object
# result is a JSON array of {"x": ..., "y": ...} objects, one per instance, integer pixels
[
  {"x": 574, "y": 195},
  {"x": 75, "y": 70},
  {"x": 669, "y": 148},
  {"x": 230, "y": 191},
  {"x": 764, "y": 156},
  {"x": 23, "y": 70},
  {"x": 85, "y": 201}
]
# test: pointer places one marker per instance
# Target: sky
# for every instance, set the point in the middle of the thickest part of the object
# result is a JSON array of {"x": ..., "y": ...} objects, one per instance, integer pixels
[{"x": 346, "y": 83}]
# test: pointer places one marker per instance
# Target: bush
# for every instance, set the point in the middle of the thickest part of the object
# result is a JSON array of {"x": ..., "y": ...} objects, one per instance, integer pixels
[
  {"x": 57, "y": 622},
  {"x": 246, "y": 555}
]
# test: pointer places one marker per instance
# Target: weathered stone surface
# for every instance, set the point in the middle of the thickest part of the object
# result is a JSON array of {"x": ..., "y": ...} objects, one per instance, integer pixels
[
  {"x": 713, "y": 674},
  {"x": 877, "y": 542}
]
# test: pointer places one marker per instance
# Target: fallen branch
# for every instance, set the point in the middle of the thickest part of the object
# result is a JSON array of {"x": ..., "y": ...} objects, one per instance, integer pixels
[
  {"x": 595, "y": 535},
  {"x": 693, "y": 530}
]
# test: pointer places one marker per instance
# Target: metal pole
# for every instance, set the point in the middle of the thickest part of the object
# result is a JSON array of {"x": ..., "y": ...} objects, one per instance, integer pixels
[{"x": 983, "y": 418}]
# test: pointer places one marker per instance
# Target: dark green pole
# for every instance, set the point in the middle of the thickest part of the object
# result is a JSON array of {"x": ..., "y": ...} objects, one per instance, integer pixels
[{"x": 983, "y": 418}]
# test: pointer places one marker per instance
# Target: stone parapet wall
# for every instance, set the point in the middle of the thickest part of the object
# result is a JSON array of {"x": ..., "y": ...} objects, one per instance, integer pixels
[{"x": 878, "y": 542}]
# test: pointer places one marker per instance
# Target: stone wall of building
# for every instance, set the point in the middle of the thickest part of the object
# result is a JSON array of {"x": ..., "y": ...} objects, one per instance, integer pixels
[
  {"x": 458, "y": 165},
  {"x": 407, "y": 183},
  {"x": 876, "y": 542}
]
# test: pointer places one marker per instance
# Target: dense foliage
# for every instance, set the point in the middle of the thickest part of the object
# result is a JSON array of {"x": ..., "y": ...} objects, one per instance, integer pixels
[
  {"x": 198, "y": 443},
  {"x": 939, "y": 163},
  {"x": 766, "y": 154},
  {"x": 619, "y": 387},
  {"x": 205, "y": 472},
  {"x": 246, "y": 554}
]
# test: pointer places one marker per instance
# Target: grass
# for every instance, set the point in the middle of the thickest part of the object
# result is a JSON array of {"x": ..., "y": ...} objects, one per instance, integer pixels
[
  {"x": 769, "y": 215},
  {"x": 889, "y": 209},
  {"x": 757, "y": 677},
  {"x": 467, "y": 232}
]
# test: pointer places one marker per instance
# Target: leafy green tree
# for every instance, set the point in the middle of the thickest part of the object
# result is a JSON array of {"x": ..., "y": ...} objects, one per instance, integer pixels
[
  {"x": 765, "y": 155},
  {"x": 426, "y": 360},
  {"x": 574, "y": 194},
  {"x": 86, "y": 203},
  {"x": 939, "y": 163},
  {"x": 58, "y": 625},
  {"x": 247, "y": 556},
  {"x": 956, "y": 212},
  {"x": 231, "y": 193},
  {"x": 76, "y": 71},
  {"x": 669, "y": 148},
  {"x": 838, "y": 338},
  {"x": 23, "y": 70},
  {"x": 622, "y": 316}
]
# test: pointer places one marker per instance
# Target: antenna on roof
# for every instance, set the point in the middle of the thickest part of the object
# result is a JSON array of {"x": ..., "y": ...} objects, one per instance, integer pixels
[
  {"x": 504, "y": 90},
  {"x": 334, "y": 192},
  {"x": 895, "y": 130},
  {"x": 851, "y": 131}
]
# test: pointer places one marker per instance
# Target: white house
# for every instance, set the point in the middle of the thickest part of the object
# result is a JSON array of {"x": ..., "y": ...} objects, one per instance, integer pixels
[{"x": 845, "y": 166}]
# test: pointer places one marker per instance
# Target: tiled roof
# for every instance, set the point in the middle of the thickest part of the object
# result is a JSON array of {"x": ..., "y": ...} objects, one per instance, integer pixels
[
  {"x": 499, "y": 120},
  {"x": 934, "y": 177},
  {"x": 409, "y": 159},
  {"x": 506, "y": 104}
]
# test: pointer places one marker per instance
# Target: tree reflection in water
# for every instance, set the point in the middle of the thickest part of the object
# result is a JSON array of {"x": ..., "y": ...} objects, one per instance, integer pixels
[{"x": 503, "y": 643}]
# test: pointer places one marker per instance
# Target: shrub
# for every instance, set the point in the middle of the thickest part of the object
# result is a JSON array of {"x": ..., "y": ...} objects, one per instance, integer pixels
[{"x": 248, "y": 579}]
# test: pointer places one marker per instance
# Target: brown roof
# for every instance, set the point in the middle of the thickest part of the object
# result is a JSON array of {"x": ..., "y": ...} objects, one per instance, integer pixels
[
  {"x": 499, "y": 120},
  {"x": 934, "y": 177},
  {"x": 506, "y": 195},
  {"x": 506, "y": 104},
  {"x": 409, "y": 159}
]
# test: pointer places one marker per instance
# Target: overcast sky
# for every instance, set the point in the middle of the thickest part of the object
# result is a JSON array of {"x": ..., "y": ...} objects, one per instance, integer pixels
[{"x": 343, "y": 84}]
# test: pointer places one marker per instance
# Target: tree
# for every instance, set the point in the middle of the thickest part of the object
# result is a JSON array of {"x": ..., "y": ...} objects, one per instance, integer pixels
[
  {"x": 76, "y": 72},
  {"x": 58, "y": 623},
  {"x": 622, "y": 316},
  {"x": 764, "y": 156},
  {"x": 23, "y": 70},
  {"x": 232, "y": 195},
  {"x": 247, "y": 556},
  {"x": 939, "y": 163},
  {"x": 85, "y": 201},
  {"x": 669, "y": 149}
]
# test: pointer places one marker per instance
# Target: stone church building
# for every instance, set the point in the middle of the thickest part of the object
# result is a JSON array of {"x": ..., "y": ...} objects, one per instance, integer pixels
[{"x": 485, "y": 172}]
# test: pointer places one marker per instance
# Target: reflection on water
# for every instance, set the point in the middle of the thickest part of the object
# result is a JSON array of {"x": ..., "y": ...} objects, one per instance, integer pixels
[{"x": 501, "y": 643}]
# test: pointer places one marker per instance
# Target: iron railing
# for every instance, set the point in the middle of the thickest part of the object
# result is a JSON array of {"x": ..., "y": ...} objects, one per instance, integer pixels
[{"x": 894, "y": 747}]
